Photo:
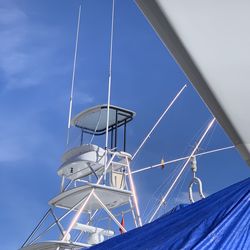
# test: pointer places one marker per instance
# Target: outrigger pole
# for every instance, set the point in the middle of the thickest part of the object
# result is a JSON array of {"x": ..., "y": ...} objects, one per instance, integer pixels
[
  {"x": 183, "y": 168},
  {"x": 73, "y": 72},
  {"x": 109, "y": 87},
  {"x": 158, "y": 121},
  {"x": 181, "y": 159}
]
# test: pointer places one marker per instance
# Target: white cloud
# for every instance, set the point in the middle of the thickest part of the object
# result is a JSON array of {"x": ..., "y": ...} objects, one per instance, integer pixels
[
  {"x": 82, "y": 98},
  {"x": 183, "y": 198},
  {"x": 26, "y": 49}
]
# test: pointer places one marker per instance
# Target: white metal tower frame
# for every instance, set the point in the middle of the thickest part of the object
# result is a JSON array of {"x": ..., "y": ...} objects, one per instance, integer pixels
[{"x": 122, "y": 162}]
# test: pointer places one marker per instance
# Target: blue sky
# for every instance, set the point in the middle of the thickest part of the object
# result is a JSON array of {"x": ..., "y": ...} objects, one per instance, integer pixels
[{"x": 36, "y": 58}]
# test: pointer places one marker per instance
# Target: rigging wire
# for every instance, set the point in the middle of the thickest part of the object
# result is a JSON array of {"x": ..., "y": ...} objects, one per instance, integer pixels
[
  {"x": 183, "y": 168},
  {"x": 73, "y": 72},
  {"x": 195, "y": 136},
  {"x": 154, "y": 197},
  {"x": 166, "y": 181},
  {"x": 75, "y": 138},
  {"x": 97, "y": 125},
  {"x": 175, "y": 173},
  {"x": 181, "y": 184}
]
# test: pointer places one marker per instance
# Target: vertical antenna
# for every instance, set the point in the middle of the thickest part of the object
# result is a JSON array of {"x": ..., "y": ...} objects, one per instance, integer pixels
[
  {"x": 109, "y": 86},
  {"x": 73, "y": 73}
]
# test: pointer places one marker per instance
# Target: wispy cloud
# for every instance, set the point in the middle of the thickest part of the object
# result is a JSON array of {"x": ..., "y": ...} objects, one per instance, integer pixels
[
  {"x": 183, "y": 198},
  {"x": 82, "y": 97},
  {"x": 30, "y": 55},
  {"x": 25, "y": 54}
]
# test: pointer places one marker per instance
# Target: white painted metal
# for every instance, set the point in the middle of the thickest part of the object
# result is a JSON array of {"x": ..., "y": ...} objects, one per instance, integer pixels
[
  {"x": 89, "y": 197},
  {"x": 55, "y": 223},
  {"x": 89, "y": 118},
  {"x": 85, "y": 148},
  {"x": 89, "y": 221},
  {"x": 195, "y": 180},
  {"x": 109, "y": 88},
  {"x": 54, "y": 245},
  {"x": 109, "y": 213},
  {"x": 92, "y": 197},
  {"x": 134, "y": 197},
  {"x": 111, "y": 197},
  {"x": 79, "y": 162},
  {"x": 92, "y": 229},
  {"x": 211, "y": 42},
  {"x": 78, "y": 214},
  {"x": 96, "y": 234},
  {"x": 73, "y": 73}
]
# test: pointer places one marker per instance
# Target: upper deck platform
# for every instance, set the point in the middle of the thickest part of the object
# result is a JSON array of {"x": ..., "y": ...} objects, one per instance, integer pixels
[{"x": 94, "y": 120}]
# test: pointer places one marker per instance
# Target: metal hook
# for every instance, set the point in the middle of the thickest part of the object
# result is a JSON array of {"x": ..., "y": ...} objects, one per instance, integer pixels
[{"x": 195, "y": 180}]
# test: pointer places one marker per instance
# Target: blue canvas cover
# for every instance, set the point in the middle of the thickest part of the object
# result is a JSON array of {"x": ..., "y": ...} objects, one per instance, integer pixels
[{"x": 221, "y": 221}]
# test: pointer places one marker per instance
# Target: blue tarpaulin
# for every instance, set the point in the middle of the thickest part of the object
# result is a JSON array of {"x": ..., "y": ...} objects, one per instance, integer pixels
[{"x": 221, "y": 221}]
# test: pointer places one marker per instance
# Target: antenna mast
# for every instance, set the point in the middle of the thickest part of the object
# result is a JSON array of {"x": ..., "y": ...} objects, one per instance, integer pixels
[
  {"x": 73, "y": 72},
  {"x": 109, "y": 84}
]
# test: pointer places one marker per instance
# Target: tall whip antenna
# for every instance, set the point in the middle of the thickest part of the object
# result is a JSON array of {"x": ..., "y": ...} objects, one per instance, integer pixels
[
  {"x": 109, "y": 86},
  {"x": 73, "y": 73}
]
